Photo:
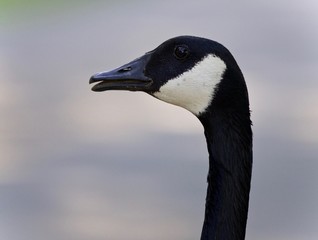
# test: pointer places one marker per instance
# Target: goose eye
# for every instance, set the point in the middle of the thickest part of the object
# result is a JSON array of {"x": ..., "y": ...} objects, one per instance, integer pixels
[{"x": 181, "y": 52}]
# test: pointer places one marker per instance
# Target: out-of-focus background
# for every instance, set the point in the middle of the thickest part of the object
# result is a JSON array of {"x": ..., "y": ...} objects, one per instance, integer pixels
[{"x": 75, "y": 164}]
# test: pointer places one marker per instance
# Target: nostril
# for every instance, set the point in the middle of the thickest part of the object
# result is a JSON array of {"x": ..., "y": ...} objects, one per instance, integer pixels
[{"x": 125, "y": 69}]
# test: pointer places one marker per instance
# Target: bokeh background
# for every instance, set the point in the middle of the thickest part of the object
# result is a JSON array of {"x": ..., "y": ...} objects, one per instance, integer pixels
[{"x": 75, "y": 164}]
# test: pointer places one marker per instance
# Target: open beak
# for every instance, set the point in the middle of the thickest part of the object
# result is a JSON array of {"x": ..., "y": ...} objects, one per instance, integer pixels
[{"x": 130, "y": 76}]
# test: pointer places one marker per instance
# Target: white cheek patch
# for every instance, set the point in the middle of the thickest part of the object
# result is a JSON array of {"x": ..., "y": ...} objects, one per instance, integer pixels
[{"x": 194, "y": 89}]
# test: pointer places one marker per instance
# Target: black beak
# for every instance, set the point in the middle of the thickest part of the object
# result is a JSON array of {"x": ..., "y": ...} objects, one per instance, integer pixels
[{"x": 130, "y": 76}]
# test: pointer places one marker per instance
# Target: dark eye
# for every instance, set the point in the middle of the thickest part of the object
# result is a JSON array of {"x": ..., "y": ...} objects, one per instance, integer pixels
[{"x": 181, "y": 52}]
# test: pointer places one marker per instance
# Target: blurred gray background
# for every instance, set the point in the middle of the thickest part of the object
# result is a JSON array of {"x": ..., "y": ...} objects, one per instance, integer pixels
[{"x": 75, "y": 164}]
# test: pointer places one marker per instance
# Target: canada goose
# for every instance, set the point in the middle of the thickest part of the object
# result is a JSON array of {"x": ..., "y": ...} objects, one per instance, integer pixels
[{"x": 202, "y": 76}]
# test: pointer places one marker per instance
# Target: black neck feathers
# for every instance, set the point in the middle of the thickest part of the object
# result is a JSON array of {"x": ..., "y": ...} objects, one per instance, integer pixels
[{"x": 229, "y": 140}]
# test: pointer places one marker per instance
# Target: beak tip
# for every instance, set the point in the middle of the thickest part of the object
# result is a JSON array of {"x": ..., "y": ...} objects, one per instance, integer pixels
[{"x": 93, "y": 79}]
